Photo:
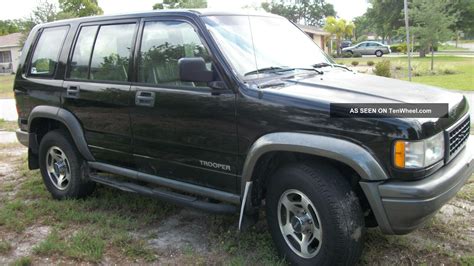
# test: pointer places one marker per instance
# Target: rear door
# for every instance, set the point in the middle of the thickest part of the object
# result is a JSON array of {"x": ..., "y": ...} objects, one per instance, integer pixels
[
  {"x": 182, "y": 130},
  {"x": 98, "y": 87}
]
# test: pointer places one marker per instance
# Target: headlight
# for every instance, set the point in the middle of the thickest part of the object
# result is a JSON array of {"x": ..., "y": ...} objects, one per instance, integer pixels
[{"x": 419, "y": 154}]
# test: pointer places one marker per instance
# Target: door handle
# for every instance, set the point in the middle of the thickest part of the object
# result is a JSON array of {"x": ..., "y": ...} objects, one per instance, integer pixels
[
  {"x": 72, "y": 91},
  {"x": 145, "y": 98}
]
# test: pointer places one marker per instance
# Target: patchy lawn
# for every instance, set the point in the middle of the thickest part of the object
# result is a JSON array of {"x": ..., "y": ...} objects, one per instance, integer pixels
[
  {"x": 6, "y": 86},
  {"x": 451, "y": 72},
  {"x": 115, "y": 227},
  {"x": 8, "y": 125}
]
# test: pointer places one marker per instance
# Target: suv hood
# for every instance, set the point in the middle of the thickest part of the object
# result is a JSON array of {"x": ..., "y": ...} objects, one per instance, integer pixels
[{"x": 341, "y": 86}]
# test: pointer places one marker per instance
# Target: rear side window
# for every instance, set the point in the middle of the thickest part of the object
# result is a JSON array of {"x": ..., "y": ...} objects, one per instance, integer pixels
[
  {"x": 82, "y": 53},
  {"x": 45, "y": 57},
  {"x": 110, "y": 57}
]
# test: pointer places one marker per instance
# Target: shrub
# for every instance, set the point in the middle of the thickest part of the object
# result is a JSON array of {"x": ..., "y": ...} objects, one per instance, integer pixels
[
  {"x": 357, "y": 55},
  {"x": 448, "y": 71},
  {"x": 398, "y": 67},
  {"x": 347, "y": 55},
  {"x": 383, "y": 69},
  {"x": 354, "y": 63},
  {"x": 370, "y": 63}
]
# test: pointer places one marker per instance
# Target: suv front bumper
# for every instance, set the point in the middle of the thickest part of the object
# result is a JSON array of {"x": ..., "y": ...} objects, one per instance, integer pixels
[{"x": 402, "y": 206}]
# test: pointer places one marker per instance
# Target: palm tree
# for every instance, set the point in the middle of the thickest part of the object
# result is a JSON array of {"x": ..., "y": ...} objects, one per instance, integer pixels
[{"x": 340, "y": 28}]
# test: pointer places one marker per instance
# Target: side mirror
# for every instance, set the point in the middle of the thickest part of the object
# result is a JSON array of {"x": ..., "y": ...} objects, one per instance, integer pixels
[{"x": 193, "y": 69}]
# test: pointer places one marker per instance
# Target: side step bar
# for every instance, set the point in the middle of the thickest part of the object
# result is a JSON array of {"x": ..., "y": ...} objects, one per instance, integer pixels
[
  {"x": 169, "y": 183},
  {"x": 179, "y": 199}
]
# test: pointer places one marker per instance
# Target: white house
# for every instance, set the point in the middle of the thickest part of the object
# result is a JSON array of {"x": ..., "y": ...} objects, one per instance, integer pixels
[
  {"x": 318, "y": 35},
  {"x": 10, "y": 51}
]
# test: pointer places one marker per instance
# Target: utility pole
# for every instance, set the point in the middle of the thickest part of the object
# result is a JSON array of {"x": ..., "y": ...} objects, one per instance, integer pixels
[{"x": 405, "y": 3}]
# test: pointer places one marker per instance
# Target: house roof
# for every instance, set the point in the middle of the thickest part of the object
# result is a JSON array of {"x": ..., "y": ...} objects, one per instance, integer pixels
[
  {"x": 10, "y": 40},
  {"x": 313, "y": 30}
]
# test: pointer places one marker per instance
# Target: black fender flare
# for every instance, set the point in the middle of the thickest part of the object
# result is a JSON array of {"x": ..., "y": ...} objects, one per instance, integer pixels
[{"x": 68, "y": 120}]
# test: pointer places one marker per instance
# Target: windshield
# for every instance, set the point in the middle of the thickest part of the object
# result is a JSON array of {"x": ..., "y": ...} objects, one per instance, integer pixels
[{"x": 254, "y": 45}]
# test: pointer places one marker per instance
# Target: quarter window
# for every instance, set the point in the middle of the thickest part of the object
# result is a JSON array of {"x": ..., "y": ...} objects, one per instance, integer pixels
[
  {"x": 163, "y": 44},
  {"x": 79, "y": 67},
  {"x": 46, "y": 54},
  {"x": 111, "y": 52}
]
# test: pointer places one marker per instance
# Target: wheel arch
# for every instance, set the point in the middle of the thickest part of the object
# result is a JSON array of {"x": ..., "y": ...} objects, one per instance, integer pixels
[
  {"x": 57, "y": 117},
  {"x": 276, "y": 148}
]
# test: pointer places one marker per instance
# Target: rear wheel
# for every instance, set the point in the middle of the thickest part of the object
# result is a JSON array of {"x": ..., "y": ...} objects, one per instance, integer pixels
[
  {"x": 61, "y": 167},
  {"x": 313, "y": 216}
]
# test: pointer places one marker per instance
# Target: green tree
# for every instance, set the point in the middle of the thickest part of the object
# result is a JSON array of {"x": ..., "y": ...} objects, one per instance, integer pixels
[
  {"x": 362, "y": 27},
  {"x": 172, "y": 4},
  {"x": 79, "y": 8},
  {"x": 386, "y": 17},
  {"x": 431, "y": 23},
  {"x": 9, "y": 26},
  {"x": 463, "y": 10},
  {"x": 308, "y": 12},
  {"x": 339, "y": 28}
]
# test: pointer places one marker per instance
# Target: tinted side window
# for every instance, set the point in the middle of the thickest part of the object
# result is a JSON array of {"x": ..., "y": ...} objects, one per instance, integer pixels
[
  {"x": 112, "y": 52},
  {"x": 46, "y": 54},
  {"x": 82, "y": 53},
  {"x": 163, "y": 44}
]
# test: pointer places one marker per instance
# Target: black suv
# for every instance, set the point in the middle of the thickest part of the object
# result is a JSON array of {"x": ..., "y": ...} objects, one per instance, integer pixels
[{"x": 228, "y": 113}]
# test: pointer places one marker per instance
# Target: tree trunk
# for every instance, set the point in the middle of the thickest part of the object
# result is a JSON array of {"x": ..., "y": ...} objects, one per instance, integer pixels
[
  {"x": 432, "y": 57},
  {"x": 457, "y": 38},
  {"x": 422, "y": 52},
  {"x": 338, "y": 45}
]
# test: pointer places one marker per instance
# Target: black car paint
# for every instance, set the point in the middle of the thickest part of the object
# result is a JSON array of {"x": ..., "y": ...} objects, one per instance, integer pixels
[{"x": 224, "y": 125}]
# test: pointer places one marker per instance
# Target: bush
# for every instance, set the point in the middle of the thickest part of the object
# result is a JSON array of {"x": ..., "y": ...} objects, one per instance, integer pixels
[
  {"x": 370, "y": 63},
  {"x": 383, "y": 69},
  {"x": 354, "y": 63},
  {"x": 357, "y": 55},
  {"x": 347, "y": 55},
  {"x": 398, "y": 67}
]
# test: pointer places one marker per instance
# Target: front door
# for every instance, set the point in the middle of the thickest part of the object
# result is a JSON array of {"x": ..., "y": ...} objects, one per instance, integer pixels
[{"x": 181, "y": 130}]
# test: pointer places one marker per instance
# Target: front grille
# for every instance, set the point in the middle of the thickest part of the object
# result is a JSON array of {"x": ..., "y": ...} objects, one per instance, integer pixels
[{"x": 457, "y": 137}]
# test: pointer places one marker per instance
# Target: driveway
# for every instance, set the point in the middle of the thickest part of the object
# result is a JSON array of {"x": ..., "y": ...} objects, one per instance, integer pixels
[{"x": 8, "y": 110}]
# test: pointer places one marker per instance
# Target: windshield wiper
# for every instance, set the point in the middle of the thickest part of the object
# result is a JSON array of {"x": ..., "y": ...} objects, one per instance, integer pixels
[
  {"x": 280, "y": 69},
  {"x": 271, "y": 69},
  {"x": 321, "y": 65}
]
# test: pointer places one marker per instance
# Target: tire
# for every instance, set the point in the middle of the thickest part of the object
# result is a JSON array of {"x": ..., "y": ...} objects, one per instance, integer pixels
[
  {"x": 339, "y": 217},
  {"x": 61, "y": 167},
  {"x": 378, "y": 53}
]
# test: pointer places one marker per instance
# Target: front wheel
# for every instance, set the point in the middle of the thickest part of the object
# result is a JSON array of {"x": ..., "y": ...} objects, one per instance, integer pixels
[
  {"x": 378, "y": 53},
  {"x": 313, "y": 215}
]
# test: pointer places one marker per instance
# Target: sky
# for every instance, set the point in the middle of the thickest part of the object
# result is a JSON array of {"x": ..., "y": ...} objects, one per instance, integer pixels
[{"x": 347, "y": 9}]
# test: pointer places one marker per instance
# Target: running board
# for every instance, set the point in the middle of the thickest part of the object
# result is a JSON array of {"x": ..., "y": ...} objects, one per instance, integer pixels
[
  {"x": 169, "y": 183},
  {"x": 169, "y": 196}
]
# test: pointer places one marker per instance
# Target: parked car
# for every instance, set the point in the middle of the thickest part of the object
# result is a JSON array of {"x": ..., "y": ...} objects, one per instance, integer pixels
[
  {"x": 345, "y": 44},
  {"x": 368, "y": 48},
  {"x": 188, "y": 106}
]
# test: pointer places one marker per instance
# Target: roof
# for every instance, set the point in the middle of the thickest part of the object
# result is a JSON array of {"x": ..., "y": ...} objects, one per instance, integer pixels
[
  {"x": 10, "y": 40},
  {"x": 170, "y": 12},
  {"x": 313, "y": 30}
]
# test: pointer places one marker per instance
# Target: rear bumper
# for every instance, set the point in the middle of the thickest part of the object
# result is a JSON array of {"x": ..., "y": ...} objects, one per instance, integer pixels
[
  {"x": 23, "y": 137},
  {"x": 401, "y": 207}
]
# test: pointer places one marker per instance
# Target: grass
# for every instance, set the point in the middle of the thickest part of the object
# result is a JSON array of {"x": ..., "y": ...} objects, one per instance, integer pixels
[
  {"x": 8, "y": 125},
  {"x": 106, "y": 225},
  {"x": 6, "y": 86},
  {"x": 449, "y": 47},
  {"x": 451, "y": 72}
]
